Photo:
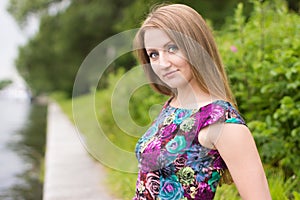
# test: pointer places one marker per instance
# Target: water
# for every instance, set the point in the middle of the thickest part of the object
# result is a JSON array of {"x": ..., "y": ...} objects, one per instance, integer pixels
[{"x": 22, "y": 146}]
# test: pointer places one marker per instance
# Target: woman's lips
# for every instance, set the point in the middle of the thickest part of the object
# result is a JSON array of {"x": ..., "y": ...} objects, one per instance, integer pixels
[{"x": 170, "y": 73}]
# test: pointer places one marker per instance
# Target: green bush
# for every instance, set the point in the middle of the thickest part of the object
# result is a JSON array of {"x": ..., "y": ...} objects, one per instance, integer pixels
[{"x": 261, "y": 55}]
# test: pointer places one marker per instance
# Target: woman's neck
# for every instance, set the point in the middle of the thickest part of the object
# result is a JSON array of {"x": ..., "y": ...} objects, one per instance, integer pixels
[{"x": 191, "y": 97}]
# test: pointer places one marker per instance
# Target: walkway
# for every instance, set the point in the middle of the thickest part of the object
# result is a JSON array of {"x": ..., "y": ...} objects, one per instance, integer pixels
[{"x": 70, "y": 173}]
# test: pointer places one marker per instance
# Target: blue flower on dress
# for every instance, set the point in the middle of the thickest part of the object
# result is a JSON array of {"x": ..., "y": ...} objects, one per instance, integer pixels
[
  {"x": 233, "y": 120},
  {"x": 163, "y": 115},
  {"x": 151, "y": 131},
  {"x": 177, "y": 144},
  {"x": 200, "y": 177},
  {"x": 199, "y": 160},
  {"x": 214, "y": 180},
  {"x": 170, "y": 188},
  {"x": 181, "y": 115}
]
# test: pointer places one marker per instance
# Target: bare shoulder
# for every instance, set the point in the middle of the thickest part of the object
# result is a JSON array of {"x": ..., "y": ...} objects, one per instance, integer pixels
[
  {"x": 232, "y": 133},
  {"x": 236, "y": 144}
]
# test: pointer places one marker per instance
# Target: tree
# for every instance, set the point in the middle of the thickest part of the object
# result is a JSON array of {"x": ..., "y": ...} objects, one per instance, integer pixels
[{"x": 51, "y": 59}]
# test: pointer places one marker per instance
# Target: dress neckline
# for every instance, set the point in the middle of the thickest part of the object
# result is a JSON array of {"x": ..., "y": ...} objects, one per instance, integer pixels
[{"x": 168, "y": 104}]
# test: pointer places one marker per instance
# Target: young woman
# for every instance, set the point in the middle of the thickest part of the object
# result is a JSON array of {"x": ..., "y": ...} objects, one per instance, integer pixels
[{"x": 199, "y": 135}]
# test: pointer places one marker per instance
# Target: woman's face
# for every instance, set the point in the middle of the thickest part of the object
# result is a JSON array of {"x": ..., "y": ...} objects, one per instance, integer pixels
[{"x": 166, "y": 59}]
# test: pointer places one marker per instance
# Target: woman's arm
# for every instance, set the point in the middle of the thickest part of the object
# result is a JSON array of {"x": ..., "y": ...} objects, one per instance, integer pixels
[{"x": 237, "y": 148}]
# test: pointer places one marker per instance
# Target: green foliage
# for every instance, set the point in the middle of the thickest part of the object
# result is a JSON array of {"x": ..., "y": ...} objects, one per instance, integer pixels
[
  {"x": 262, "y": 59},
  {"x": 21, "y": 10},
  {"x": 213, "y": 10},
  {"x": 296, "y": 195},
  {"x": 51, "y": 59},
  {"x": 69, "y": 30},
  {"x": 280, "y": 188},
  {"x": 4, "y": 83},
  {"x": 227, "y": 192},
  {"x": 124, "y": 187}
]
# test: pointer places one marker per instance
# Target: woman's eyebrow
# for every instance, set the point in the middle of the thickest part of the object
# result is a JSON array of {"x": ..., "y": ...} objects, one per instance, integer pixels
[{"x": 164, "y": 46}]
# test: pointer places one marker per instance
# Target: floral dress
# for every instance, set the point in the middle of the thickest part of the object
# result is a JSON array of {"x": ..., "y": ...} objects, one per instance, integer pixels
[{"x": 172, "y": 162}]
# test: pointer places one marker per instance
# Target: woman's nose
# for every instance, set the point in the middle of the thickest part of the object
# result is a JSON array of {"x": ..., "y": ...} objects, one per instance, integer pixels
[{"x": 164, "y": 59}]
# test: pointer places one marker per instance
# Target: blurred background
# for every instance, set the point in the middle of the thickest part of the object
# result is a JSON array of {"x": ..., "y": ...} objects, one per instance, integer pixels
[{"x": 44, "y": 42}]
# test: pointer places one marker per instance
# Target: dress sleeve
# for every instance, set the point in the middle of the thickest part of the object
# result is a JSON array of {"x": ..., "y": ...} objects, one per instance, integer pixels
[
  {"x": 227, "y": 114},
  {"x": 233, "y": 116}
]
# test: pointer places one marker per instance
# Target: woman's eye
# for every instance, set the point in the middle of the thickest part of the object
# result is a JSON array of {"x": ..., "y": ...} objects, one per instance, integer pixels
[
  {"x": 153, "y": 55},
  {"x": 172, "y": 48}
]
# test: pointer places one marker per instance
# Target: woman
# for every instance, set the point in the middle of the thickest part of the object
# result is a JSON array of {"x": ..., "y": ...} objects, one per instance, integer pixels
[{"x": 199, "y": 135}]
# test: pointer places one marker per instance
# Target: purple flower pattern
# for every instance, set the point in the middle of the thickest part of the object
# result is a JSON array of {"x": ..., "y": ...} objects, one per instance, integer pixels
[{"x": 172, "y": 163}]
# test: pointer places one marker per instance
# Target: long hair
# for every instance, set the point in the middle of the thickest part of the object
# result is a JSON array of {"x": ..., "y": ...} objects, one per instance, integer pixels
[{"x": 188, "y": 30}]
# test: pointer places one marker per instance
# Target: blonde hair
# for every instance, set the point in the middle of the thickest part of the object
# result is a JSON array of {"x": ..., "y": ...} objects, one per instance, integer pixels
[{"x": 189, "y": 31}]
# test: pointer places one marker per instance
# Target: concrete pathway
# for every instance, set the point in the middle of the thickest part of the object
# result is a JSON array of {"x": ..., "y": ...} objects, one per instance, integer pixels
[{"x": 70, "y": 173}]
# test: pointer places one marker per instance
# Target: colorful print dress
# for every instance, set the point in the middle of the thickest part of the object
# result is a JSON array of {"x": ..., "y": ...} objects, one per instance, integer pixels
[{"x": 173, "y": 165}]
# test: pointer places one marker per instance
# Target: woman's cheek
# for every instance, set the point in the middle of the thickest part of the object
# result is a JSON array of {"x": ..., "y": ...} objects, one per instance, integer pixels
[{"x": 156, "y": 71}]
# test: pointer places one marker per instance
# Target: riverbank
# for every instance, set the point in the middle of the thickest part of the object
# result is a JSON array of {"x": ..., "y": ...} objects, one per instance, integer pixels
[{"x": 70, "y": 172}]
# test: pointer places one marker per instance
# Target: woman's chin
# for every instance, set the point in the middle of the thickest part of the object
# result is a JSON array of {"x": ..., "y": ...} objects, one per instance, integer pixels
[{"x": 177, "y": 84}]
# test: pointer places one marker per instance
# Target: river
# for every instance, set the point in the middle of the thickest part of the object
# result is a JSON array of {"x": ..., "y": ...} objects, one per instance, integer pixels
[{"x": 22, "y": 147}]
